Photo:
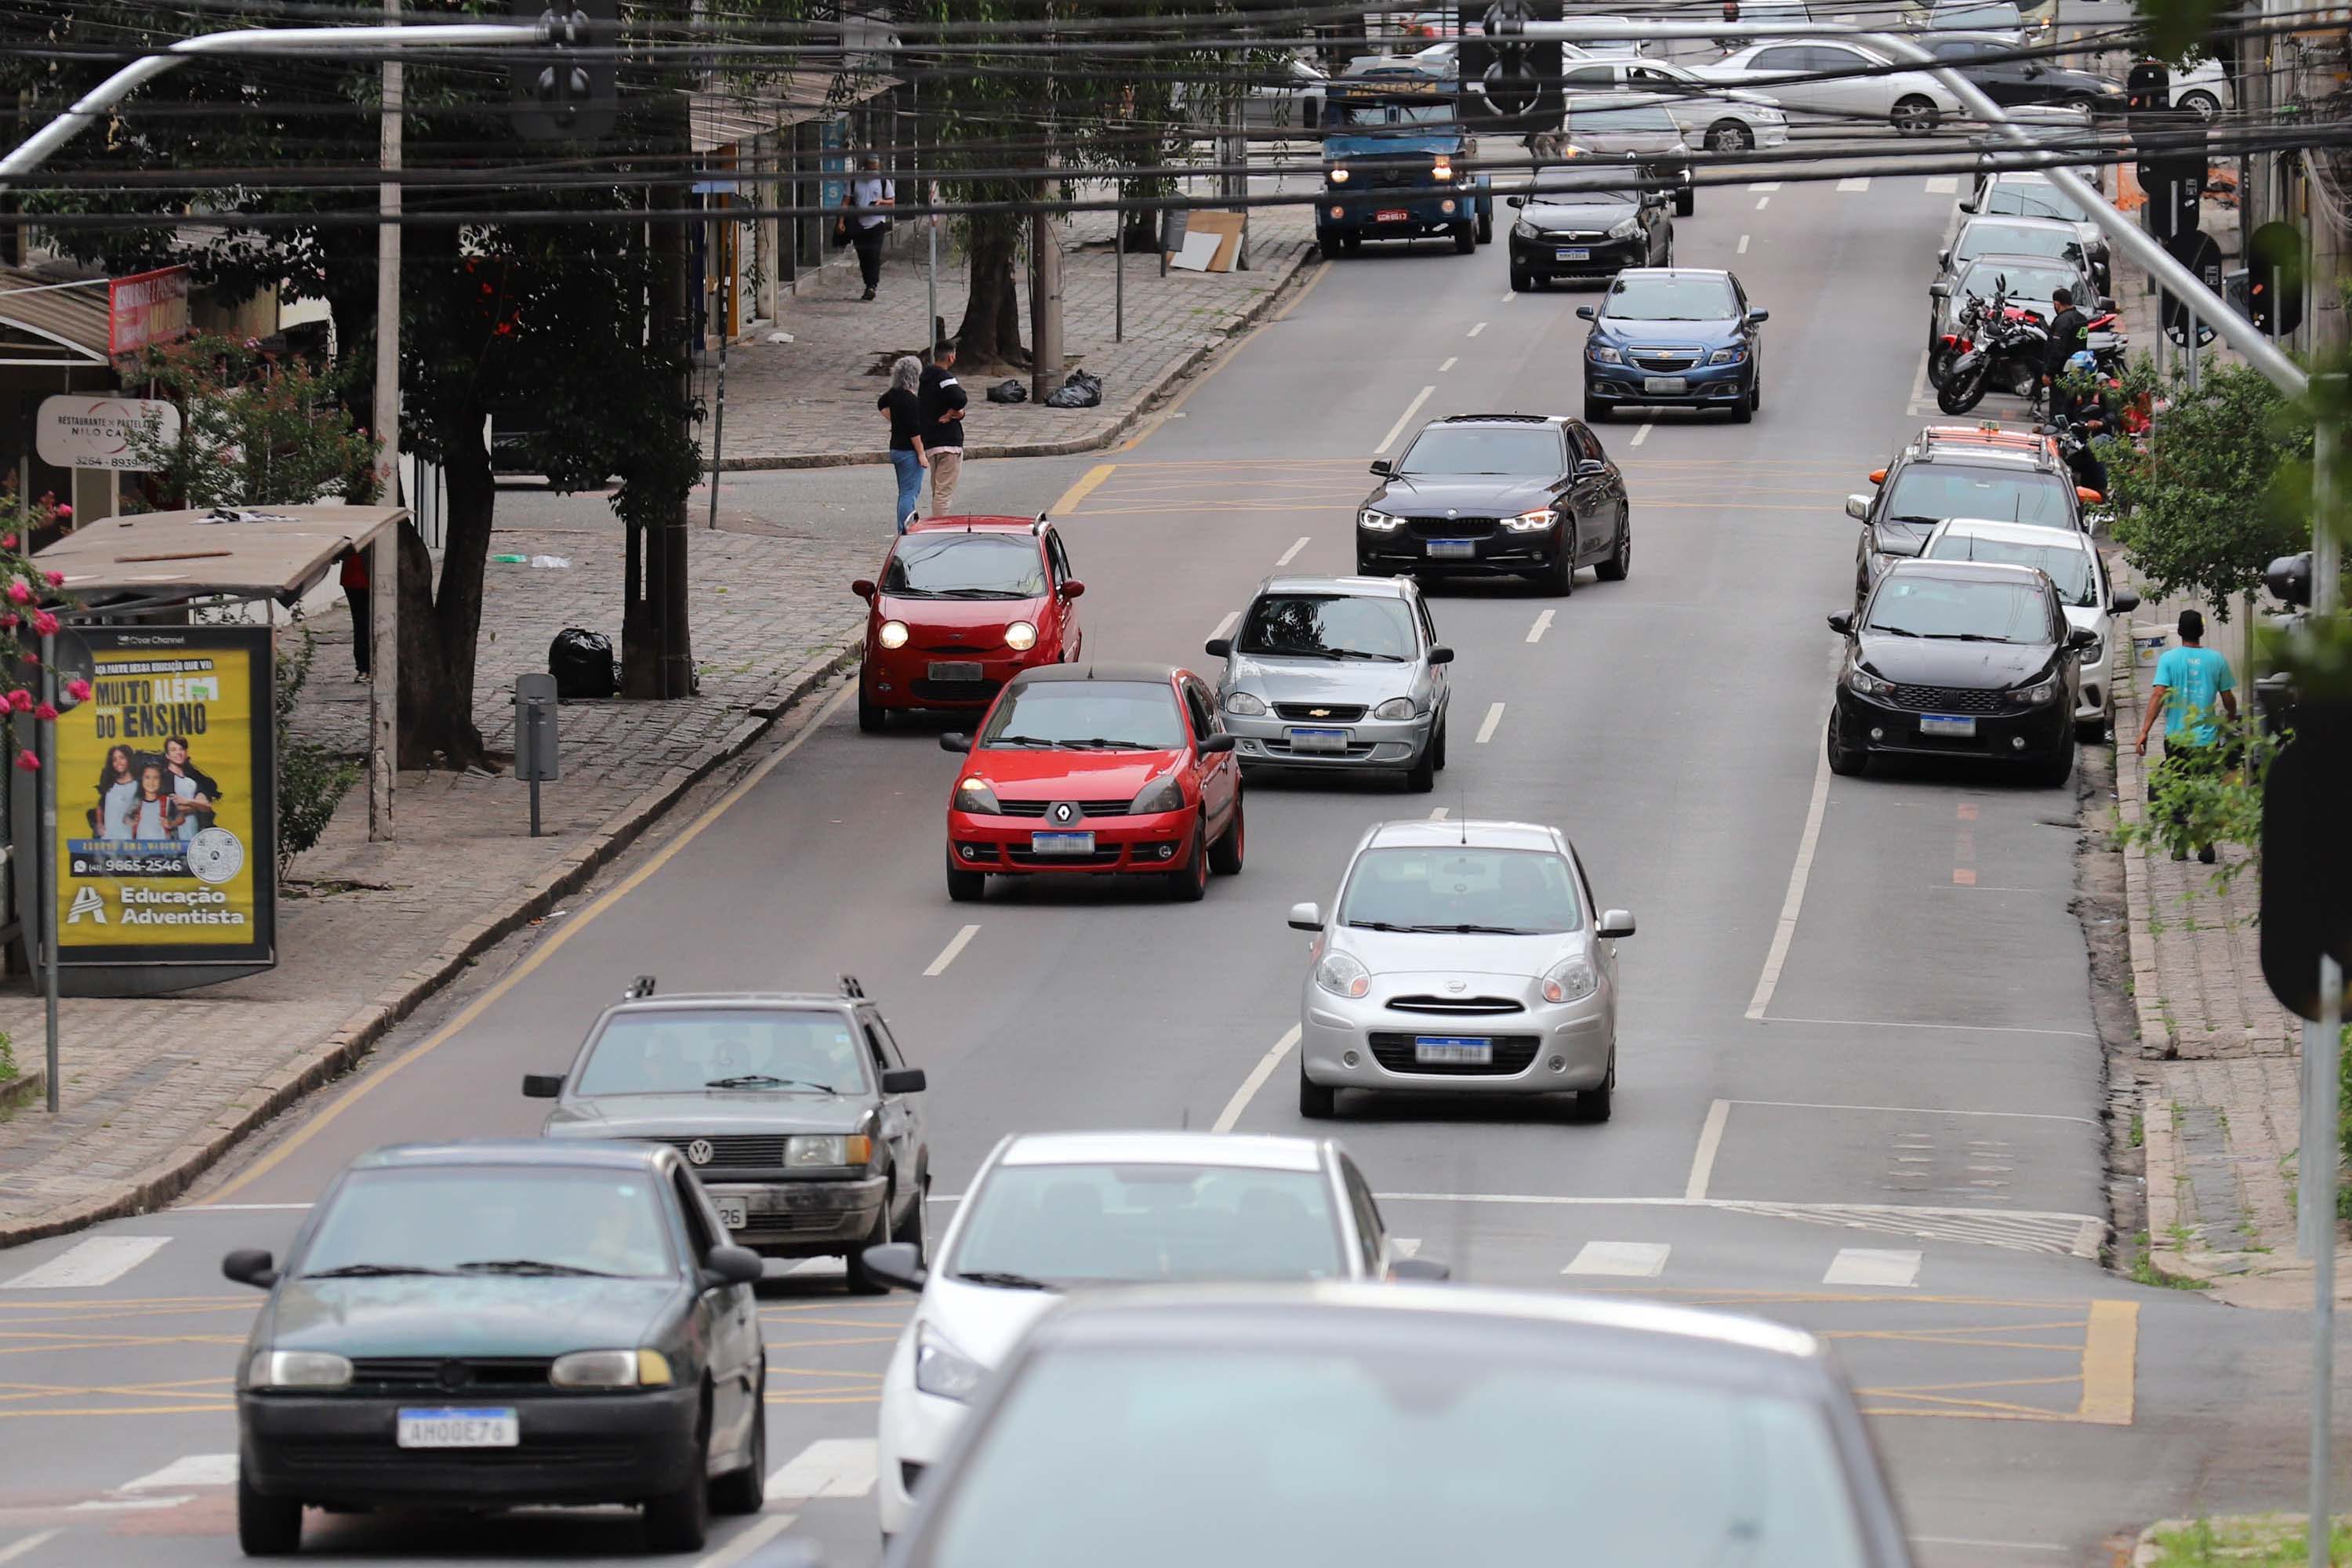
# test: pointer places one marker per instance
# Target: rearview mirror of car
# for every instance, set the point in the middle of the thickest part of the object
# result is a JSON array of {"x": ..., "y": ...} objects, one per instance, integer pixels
[
  {"x": 899, "y": 1263},
  {"x": 1211, "y": 745},
  {"x": 1857, "y": 507},
  {"x": 1939, "y": 290},
  {"x": 1515, "y": 201},
  {"x": 954, "y": 740},
  {"x": 1841, "y": 623},
  {"x": 1970, "y": 205},
  {"x": 1305, "y": 917},
  {"x": 542, "y": 1085},
  {"x": 249, "y": 1266},
  {"x": 2123, "y": 604},
  {"x": 729, "y": 1265},
  {"x": 1616, "y": 923},
  {"x": 1427, "y": 1269},
  {"x": 1383, "y": 466},
  {"x": 1072, "y": 589},
  {"x": 905, "y": 1081},
  {"x": 2081, "y": 636},
  {"x": 1943, "y": 257},
  {"x": 863, "y": 588},
  {"x": 1218, "y": 648},
  {"x": 1586, "y": 468},
  {"x": 1757, "y": 317},
  {"x": 1584, "y": 313},
  {"x": 1441, "y": 654}
]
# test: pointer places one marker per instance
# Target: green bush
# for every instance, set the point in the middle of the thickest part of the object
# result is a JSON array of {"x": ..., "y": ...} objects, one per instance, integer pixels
[{"x": 311, "y": 779}]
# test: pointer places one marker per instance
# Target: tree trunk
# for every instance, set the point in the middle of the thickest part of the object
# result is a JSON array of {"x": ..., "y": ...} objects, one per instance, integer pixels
[
  {"x": 989, "y": 337},
  {"x": 440, "y": 628}
]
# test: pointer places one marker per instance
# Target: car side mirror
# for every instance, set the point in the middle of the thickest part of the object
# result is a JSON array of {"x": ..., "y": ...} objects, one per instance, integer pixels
[
  {"x": 542, "y": 1086},
  {"x": 1515, "y": 201},
  {"x": 1943, "y": 258},
  {"x": 1218, "y": 648},
  {"x": 2081, "y": 636},
  {"x": 1441, "y": 654},
  {"x": 1841, "y": 623},
  {"x": 1587, "y": 467},
  {"x": 1757, "y": 317},
  {"x": 1939, "y": 290},
  {"x": 1615, "y": 922},
  {"x": 1072, "y": 589},
  {"x": 1419, "y": 1268},
  {"x": 249, "y": 1266},
  {"x": 899, "y": 1263},
  {"x": 1305, "y": 917},
  {"x": 1383, "y": 468},
  {"x": 1970, "y": 205},
  {"x": 905, "y": 1081},
  {"x": 729, "y": 1265},
  {"x": 2032, "y": 70},
  {"x": 2088, "y": 496},
  {"x": 1584, "y": 313},
  {"x": 1857, "y": 507},
  {"x": 1211, "y": 745},
  {"x": 955, "y": 741},
  {"x": 2123, "y": 604},
  {"x": 864, "y": 589}
]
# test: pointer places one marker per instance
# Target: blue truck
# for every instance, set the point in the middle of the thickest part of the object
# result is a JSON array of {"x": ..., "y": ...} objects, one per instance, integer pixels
[{"x": 1394, "y": 150}]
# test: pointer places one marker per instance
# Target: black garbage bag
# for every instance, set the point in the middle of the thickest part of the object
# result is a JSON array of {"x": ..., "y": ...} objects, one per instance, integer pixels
[
  {"x": 1081, "y": 391},
  {"x": 583, "y": 665},
  {"x": 1009, "y": 391}
]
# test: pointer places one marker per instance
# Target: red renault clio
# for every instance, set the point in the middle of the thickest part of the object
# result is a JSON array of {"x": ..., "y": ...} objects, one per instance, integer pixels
[
  {"x": 1096, "y": 769},
  {"x": 964, "y": 605}
]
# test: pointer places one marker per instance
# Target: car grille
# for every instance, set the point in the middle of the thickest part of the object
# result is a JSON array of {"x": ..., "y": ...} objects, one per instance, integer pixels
[
  {"x": 789, "y": 1222},
  {"x": 1513, "y": 1054},
  {"x": 474, "y": 1372},
  {"x": 964, "y": 650},
  {"x": 1947, "y": 699},
  {"x": 1667, "y": 359},
  {"x": 1391, "y": 173},
  {"x": 1452, "y": 527},
  {"x": 1085, "y": 807},
  {"x": 929, "y": 690},
  {"x": 1456, "y": 1007},
  {"x": 1330, "y": 713},
  {"x": 1020, "y": 856},
  {"x": 759, "y": 1151},
  {"x": 321, "y": 1453}
]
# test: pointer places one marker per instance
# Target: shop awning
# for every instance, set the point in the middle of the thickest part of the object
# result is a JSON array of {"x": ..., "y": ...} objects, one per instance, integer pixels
[
  {"x": 274, "y": 553},
  {"x": 45, "y": 322}
]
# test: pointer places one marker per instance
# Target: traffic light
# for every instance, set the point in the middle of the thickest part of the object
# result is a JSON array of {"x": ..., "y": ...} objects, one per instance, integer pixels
[
  {"x": 567, "y": 90},
  {"x": 2274, "y": 289},
  {"x": 1507, "y": 82}
]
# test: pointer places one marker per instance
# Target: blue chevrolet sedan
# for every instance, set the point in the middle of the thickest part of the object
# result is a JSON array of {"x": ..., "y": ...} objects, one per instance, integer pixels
[{"x": 1674, "y": 337}]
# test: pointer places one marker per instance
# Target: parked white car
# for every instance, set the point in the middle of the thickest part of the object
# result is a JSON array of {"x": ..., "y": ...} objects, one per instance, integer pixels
[
  {"x": 1713, "y": 119},
  {"x": 2073, "y": 565},
  {"x": 1814, "y": 77}
]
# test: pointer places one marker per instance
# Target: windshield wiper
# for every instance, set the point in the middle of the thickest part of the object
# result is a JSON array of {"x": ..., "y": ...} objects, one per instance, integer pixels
[
  {"x": 1914, "y": 517},
  {"x": 1021, "y": 740},
  {"x": 982, "y": 593},
  {"x": 530, "y": 1266},
  {"x": 371, "y": 1271},
  {"x": 1379, "y": 925},
  {"x": 1004, "y": 1280},
  {"x": 767, "y": 1080},
  {"x": 1466, "y": 929},
  {"x": 1097, "y": 741},
  {"x": 1894, "y": 631},
  {"x": 1960, "y": 636}
]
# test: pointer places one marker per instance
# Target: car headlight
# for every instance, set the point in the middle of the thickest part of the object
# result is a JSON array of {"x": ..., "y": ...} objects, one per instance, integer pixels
[
  {"x": 1570, "y": 980},
  {"x": 1602, "y": 353},
  {"x": 297, "y": 1369},
  {"x": 1862, "y": 682},
  {"x": 1337, "y": 176},
  {"x": 828, "y": 1148},
  {"x": 1248, "y": 704},
  {"x": 2035, "y": 695},
  {"x": 1165, "y": 794},
  {"x": 611, "y": 1369},
  {"x": 1732, "y": 355},
  {"x": 1378, "y": 521},
  {"x": 1529, "y": 522},
  {"x": 892, "y": 635},
  {"x": 1441, "y": 170},
  {"x": 1629, "y": 229},
  {"x": 2094, "y": 654},
  {"x": 941, "y": 1369},
  {"x": 1396, "y": 708},
  {"x": 1528, "y": 231},
  {"x": 1342, "y": 974},
  {"x": 977, "y": 794},
  {"x": 1021, "y": 637}
]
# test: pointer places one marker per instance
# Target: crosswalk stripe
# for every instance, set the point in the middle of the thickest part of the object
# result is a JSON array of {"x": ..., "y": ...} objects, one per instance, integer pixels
[
  {"x": 1765, "y": 185},
  {"x": 818, "y": 1268},
  {"x": 1621, "y": 1259},
  {"x": 1854, "y": 183},
  {"x": 100, "y": 1260},
  {"x": 1406, "y": 1245},
  {"x": 1943, "y": 185},
  {"x": 830, "y": 1467},
  {"x": 188, "y": 1470},
  {"x": 28, "y": 1545},
  {"x": 1873, "y": 1266}
]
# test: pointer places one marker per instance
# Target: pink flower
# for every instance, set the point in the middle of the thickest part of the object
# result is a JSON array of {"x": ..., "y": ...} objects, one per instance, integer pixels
[
  {"x": 21, "y": 701},
  {"x": 19, "y": 591},
  {"x": 45, "y": 624},
  {"x": 79, "y": 689},
  {"x": 30, "y": 762},
  {"x": 7, "y": 542},
  {"x": 7, "y": 620},
  {"x": 65, "y": 511},
  {"x": 44, "y": 712},
  {"x": 57, "y": 579}
]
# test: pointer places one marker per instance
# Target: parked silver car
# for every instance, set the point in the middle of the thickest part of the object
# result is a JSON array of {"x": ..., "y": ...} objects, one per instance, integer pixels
[
  {"x": 1461, "y": 956},
  {"x": 2073, "y": 567},
  {"x": 2029, "y": 193},
  {"x": 1821, "y": 79},
  {"x": 2045, "y": 237},
  {"x": 1713, "y": 117},
  {"x": 1344, "y": 674}
]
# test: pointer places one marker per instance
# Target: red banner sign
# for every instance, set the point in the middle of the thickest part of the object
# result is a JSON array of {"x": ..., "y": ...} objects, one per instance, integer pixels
[{"x": 146, "y": 308}]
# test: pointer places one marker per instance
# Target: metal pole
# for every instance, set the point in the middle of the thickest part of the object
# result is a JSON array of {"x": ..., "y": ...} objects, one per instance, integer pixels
[
  {"x": 1119, "y": 275},
  {"x": 534, "y": 808},
  {"x": 718, "y": 437},
  {"x": 381, "y": 708},
  {"x": 2195, "y": 357},
  {"x": 2318, "y": 1199},
  {"x": 47, "y": 738},
  {"x": 931, "y": 276}
]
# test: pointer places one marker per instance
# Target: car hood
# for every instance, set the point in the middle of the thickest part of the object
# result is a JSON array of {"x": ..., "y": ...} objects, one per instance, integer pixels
[
  {"x": 1469, "y": 495},
  {"x": 716, "y": 1112},
  {"x": 435, "y": 1315},
  {"x": 1075, "y": 775},
  {"x": 983, "y": 1322},
  {"x": 1975, "y": 666},
  {"x": 1617, "y": 142},
  {"x": 1401, "y": 960},
  {"x": 1356, "y": 144},
  {"x": 1552, "y": 217},
  {"x": 982, "y": 622},
  {"x": 1366, "y": 680},
  {"x": 1640, "y": 333}
]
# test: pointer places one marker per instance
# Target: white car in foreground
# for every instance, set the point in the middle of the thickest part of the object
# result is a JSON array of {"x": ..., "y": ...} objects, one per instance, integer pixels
[{"x": 1057, "y": 1212}]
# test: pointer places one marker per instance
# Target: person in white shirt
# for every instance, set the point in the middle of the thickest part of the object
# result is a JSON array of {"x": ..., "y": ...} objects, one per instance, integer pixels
[{"x": 871, "y": 197}]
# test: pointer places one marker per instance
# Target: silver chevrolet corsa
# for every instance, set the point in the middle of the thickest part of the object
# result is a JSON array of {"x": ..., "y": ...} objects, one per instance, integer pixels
[
  {"x": 1460, "y": 957},
  {"x": 1338, "y": 674}
]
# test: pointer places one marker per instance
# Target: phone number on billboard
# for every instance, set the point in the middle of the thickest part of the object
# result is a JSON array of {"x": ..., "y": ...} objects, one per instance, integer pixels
[{"x": 131, "y": 865}]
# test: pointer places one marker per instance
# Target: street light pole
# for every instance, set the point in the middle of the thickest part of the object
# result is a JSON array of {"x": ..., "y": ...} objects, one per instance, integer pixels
[{"x": 385, "y": 675}]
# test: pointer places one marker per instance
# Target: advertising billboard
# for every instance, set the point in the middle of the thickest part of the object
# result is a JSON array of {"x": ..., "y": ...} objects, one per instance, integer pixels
[{"x": 166, "y": 829}]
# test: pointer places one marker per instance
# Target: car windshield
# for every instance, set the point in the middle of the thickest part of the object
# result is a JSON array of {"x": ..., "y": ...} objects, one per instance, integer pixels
[
  {"x": 1373, "y": 113},
  {"x": 1058, "y": 1225},
  {"x": 1326, "y": 625},
  {"x": 490, "y": 1219},
  {"x": 2068, "y": 564},
  {"x": 2013, "y": 200},
  {"x": 1461, "y": 887},
  {"x": 1133, "y": 715},
  {"x": 1670, "y": 298},
  {"x": 966, "y": 567},
  {"x": 1930, "y": 492},
  {"x": 1616, "y": 120},
  {"x": 2022, "y": 282},
  {"x": 1484, "y": 449},
  {"x": 1573, "y": 185},
  {"x": 1920, "y": 605},
  {"x": 2014, "y": 239},
  {"x": 694, "y": 1049},
  {"x": 1213, "y": 1454}
]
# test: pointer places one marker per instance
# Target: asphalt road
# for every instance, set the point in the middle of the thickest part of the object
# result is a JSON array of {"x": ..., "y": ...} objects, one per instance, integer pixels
[{"x": 1859, "y": 1087}]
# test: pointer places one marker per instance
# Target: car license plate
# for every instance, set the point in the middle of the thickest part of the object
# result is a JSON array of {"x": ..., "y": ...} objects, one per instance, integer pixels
[
  {"x": 733, "y": 1213},
  {"x": 955, "y": 672},
  {"x": 1062, "y": 843},
  {"x": 1573, "y": 255},
  {"x": 1318, "y": 739},
  {"x": 1665, "y": 383},
  {"x": 1450, "y": 1050},
  {"x": 1391, "y": 214},
  {"x": 1945, "y": 724},
  {"x": 466, "y": 1427},
  {"x": 1453, "y": 549}
]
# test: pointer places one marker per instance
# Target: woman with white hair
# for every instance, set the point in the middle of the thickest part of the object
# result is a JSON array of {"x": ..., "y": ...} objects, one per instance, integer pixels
[{"x": 903, "y": 405}]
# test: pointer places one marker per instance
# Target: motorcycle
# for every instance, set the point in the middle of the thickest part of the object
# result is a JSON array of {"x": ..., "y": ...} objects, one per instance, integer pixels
[
  {"x": 2006, "y": 349},
  {"x": 2103, "y": 335}
]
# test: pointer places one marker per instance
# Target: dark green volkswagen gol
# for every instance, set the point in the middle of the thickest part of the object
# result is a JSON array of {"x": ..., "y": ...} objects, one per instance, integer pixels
[{"x": 501, "y": 1322}]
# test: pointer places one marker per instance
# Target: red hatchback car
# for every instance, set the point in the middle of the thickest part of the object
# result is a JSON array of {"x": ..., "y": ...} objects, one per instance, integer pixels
[
  {"x": 1093, "y": 770},
  {"x": 964, "y": 605}
]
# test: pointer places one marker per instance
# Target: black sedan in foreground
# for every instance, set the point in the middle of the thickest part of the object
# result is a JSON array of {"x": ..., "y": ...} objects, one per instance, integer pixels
[
  {"x": 493, "y": 1324},
  {"x": 1959, "y": 659},
  {"x": 1571, "y": 226},
  {"x": 1494, "y": 495}
]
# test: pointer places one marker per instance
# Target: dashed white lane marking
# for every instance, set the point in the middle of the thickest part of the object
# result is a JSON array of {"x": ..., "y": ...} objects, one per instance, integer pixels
[
  {"x": 1892, "y": 1268},
  {"x": 1406, "y": 1245},
  {"x": 1437, "y": 814},
  {"x": 1988, "y": 1545},
  {"x": 830, "y": 1467},
  {"x": 741, "y": 1548},
  {"x": 1403, "y": 419},
  {"x": 1287, "y": 556},
  {"x": 1620, "y": 1259},
  {"x": 100, "y": 1260},
  {"x": 1255, "y": 1081},
  {"x": 238, "y": 1208},
  {"x": 1710, "y": 1139},
  {"x": 1509, "y": 296},
  {"x": 1854, "y": 183},
  {"x": 820, "y": 1267},
  {"x": 1743, "y": 244},
  {"x": 26, "y": 1547},
  {"x": 131, "y": 1504},
  {"x": 188, "y": 1470},
  {"x": 1785, "y": 930},
  {"x": 1763, "y": 202},
  {"x": 1232, "y": 616},
  {"x": 1640, "y": 436},
  {"x": 948, "y": 954},
  {"x": 1765, "y": 185},
  {"x": 1448, "y": 364},
  {"x": 1486, "y": 725},
  {"x": 1475, "y": 331},
  {"x": 1943, "y": 185},
  {"x": 1543, "y": 624}
]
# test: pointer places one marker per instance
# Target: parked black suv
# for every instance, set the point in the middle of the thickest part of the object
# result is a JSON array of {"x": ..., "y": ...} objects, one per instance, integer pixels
[{"x": 1497, "y": 494}]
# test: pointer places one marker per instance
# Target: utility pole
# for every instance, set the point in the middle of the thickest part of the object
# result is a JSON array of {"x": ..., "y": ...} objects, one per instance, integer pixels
[
  {"x": 665, "y": 572},
  {"x": 384, "y": 564},
  {"x": 1047, "y": 362}
]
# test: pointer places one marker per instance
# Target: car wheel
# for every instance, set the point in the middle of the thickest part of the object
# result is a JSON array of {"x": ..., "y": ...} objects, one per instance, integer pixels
[
  {"x": 2059, "y": 769},
  {"x": 1317, "y": 1101},
  {"x": 1686, "y": 200},
  {"x": 1743, "y": 411},
  {"x": 267, "y": 1526},
  {"x": 746, "y": 1490},
  {"x": 1620, "y": 560},
  {"x": 1190, "y": 883},
  {"x": 680, "y": 1520},
  {"x": 1847, "y": 763},
  {"x": 1914, "y": 116},
  {"x": 1422, "y": 777},
  {"x": 871, "y": 715},
  {"x": 862, "y": 1283},
  {"x": 1353, "y": 244},
  {"x": 1594, "y": 1104},
  {"x": 1521, "y": 281},
  {"x": 2090, "y": 731},
  {"x": 1437, "y": 748},
  {"x": 1486, "y": 227},
  {"x": 1596, "y": 411},
  {"x": 1466, "y": 238},
  {"x": 1559, "y": 577},
  {"x": 1225, "y": 854},
  {"x": 1327, "y": 240},
  {"x": 916, "y": 1232},
  {"x": 2201, "y": 103},
  {"x": 1756, "y": 392},
  {"x": 1729, "y": 136},
  {"x": 964, "y": 886}
]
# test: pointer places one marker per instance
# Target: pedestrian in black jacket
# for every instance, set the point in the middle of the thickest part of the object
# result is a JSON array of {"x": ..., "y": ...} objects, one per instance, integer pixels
[{"x": 2069, "y": 335}]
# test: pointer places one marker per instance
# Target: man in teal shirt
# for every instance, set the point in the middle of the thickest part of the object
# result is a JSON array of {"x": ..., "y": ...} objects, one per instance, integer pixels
[{"x": 2190, "y": 681}]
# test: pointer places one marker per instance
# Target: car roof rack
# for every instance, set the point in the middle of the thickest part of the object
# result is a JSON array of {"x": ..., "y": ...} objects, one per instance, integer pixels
[
  {"x": 1984, "y": 437},
  {"x": 850, "y": 987},
  {"x": 639, "y": 988},
  {"x": 1497, "y": 419}
]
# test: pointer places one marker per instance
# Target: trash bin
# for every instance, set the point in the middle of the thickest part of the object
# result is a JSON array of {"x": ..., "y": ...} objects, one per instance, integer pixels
[{"x": 2149, "y": 644}]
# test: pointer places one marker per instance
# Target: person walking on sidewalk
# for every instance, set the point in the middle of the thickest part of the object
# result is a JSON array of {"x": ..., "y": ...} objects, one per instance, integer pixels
[
  {"x": 355, "y": 590},
  {"x": 871, "y": 197},
  {"x": 2188, "y": 680},
  {"x": 903, "y": 405},
  {"x": 944, "y": 404}
]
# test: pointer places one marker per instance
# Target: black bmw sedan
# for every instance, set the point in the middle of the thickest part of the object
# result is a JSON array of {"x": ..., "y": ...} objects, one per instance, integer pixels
[
  {"x": 494, "y": 1323},
  {"x": 1959, "y": 659},
  {"x": 1571, "y": 224},
  {"x": 1497, "y": 495}
]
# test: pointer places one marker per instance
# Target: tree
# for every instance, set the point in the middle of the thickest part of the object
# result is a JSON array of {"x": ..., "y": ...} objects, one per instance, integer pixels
[{"x": 256, "y": 428}]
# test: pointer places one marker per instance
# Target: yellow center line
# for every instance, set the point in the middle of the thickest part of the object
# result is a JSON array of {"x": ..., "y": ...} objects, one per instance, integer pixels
[
  {"x": 822, "y": 1371},
  {"x": 1085, "y": 487},
  {"x": 2109, "y": 1351}
]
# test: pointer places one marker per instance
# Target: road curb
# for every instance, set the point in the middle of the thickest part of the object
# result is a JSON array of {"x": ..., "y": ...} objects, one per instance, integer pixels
[{"x": 161, "y": 1183}]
